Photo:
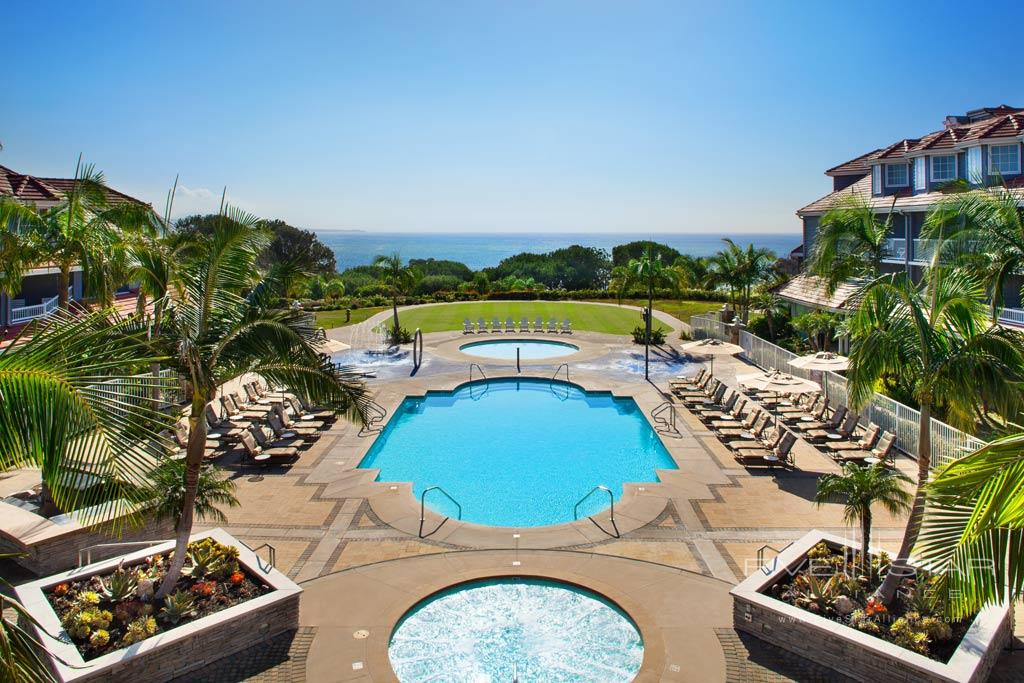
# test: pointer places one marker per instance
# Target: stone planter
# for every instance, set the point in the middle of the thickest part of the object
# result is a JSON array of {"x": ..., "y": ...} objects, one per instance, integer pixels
[
  {"x": 858, "y": 655},
  {"x": 179, "y": 650}
]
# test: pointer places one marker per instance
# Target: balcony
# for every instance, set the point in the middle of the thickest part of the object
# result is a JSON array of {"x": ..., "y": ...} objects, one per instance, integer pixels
[
  {"x": 895, "y": 250},
  {"x": 1012, "y": 316},
  {"x": 23, "y": 314},
  {"x": 924, "y": 250}
]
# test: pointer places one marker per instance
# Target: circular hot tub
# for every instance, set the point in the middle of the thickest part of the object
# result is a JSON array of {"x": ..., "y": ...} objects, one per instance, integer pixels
[
  {"x": 528, "y": 349},
  {"x": 505, "y": 629}
]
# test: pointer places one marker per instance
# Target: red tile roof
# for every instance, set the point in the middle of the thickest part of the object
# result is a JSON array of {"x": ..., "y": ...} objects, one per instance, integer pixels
[{"x": 47, "y": 191}]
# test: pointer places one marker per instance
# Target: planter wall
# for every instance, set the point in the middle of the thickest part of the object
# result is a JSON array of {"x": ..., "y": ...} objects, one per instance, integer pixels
[
  {"x": 182, "y": 649},
  {"x": 46, "y": 546},
  {"x": 858, "y": 655}
]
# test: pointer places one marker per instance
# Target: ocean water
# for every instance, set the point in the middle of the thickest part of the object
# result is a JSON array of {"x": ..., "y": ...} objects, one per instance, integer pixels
[{"x": 482, "y": 250}]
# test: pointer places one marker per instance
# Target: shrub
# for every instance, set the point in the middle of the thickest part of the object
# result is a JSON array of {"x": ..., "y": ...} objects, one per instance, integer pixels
[
  {"x": 398, "y": 335},
  {"x": 640, "y": 334},
  {"x": 437, "y": 283}
]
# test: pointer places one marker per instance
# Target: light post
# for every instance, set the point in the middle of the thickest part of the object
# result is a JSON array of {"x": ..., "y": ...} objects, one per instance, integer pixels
[{"x": 647, "y": 343}]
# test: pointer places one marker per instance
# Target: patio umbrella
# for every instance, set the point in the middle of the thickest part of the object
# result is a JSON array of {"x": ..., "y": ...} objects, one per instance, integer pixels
[
  {"x": 778, "y": 382},
  {"x": 823, "y": 361},
  {"x": 712, "y": 347}
]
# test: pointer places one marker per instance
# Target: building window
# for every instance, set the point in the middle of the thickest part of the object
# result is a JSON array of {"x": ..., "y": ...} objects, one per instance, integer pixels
[
  {"x": 896, "y": 175},
  {"x": 943, "y": 168},
  {"x": 1004, "y": 159},
  {"x": 876, "y": 179},
  {"x": 919, "y": 176}
]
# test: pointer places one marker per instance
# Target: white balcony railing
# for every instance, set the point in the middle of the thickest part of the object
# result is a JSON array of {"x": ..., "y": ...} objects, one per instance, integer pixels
[
  {"x": 22, "y": 314},
  {"x": 895, "y": 250},
  {"x": 1012, "y": 316},
  {"x": 923, "y": 250}
]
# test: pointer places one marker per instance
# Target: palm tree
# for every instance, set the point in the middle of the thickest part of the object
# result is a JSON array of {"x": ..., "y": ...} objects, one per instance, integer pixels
[
  {"x": 398, "y": 278},
  {"x": 82, "y": 228},
  {"x": 20, "y": 651},
  {"x": 740, "y": 270},
  {"x": 973, "y": 529},
  {"x": 989, "y": 240},
  {"x": 651, "y": 273},
  {"x": 694, "y": 271},
  {"x": 858, "y": 488},
  {"x": 168, "y": 492},
  {"x": 63, "y": 410},
  {"x": 934, "y": 338},
  {"x": 225, "y": 324},
  {"x": 771, "y": 306},
  {"x": 850, "y": 243},
  {"x": 18, "y": 252}
]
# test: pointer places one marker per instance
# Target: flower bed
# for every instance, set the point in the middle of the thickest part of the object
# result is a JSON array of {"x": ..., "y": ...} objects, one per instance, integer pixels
[
  {"x": 107, "y": 621},
  {"x": 806, "y": 603}
]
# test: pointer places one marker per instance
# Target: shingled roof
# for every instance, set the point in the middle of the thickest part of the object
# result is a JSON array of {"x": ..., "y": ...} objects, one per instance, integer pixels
[
  {"x": 809, "y": 290},
  {"x": 46, "y": 192},
  {"x": 904, "y": 200}
]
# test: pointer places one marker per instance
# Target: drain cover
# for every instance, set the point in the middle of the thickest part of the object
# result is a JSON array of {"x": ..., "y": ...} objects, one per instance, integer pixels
[{"x": 361, "y": 634}]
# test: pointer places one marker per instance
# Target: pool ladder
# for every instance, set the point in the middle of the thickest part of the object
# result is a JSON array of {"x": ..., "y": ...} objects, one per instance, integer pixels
[
  {"x": 667, "y": 423},
  {"x": 374, "y": 415},
  {"x": 559, "y": 369},
  {"x": 483, "y": 375},
  {"x": 611, "y": 499},
  {"x": 423, "y": 509}
]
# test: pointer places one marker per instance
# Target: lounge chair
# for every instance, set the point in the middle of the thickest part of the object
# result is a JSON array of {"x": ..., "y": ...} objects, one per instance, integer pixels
[
  {"x": 881, "y": 452},
  {"x": 566, "y": 326},
  {"x": 495, "y": 325},
  {"x": 698, "y": 387},
  {"x": 804, "y": 405},
  {"x": 812, "y": 418},
  {"x": 307, "y": 412},
  {"x": 748, "y": 430},
  {"x": 865, "y": 443},
  {"x": 264, "y": 440},
  {"x": 711, "y": 397},
  {"x": 681, "y": 382},
  {"x": 257, "y": 453},
  {"x": 510, "y": 326},
  {"x": 765, "y": 435},
  {"x": 481, "y": 325},
  {"x": 739, "y": 403},
  {"x": 552, "y": 326},
  {"x": 777, "y": 455},
  {"x": 179, "y": 434},
  {"x": 250, "y": 410},
  {"x": 830, "y": 425},
  {"x": 310, "y": 428},
  {"x": 717, "y": 410},
  {"x": 538, "y": 325},
  {"x": 737, "y": 427},
  {"x": 467, "y": 327},
  {"x": 849, "y": 424},
  {"x": 219, "y": 426},
  {"x": 524, "y": 325}
]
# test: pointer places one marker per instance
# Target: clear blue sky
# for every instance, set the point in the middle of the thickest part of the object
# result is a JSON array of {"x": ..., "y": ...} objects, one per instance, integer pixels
[{"x": 492, "y": 116}]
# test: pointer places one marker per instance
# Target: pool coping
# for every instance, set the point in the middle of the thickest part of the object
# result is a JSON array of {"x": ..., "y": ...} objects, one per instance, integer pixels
[
  {"x": 640, "y": 504},
  {"x": 389, "y": 589},
  {"x": 588, "y": 350}
]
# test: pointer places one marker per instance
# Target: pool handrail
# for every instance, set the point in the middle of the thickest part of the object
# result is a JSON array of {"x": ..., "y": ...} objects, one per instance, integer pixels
[
  {"x": 423, "y": 507},
  {"x": 559, "y": 369},
  {"x": 670, "y": 423},
  {"x": 480, "y": 369},
  {"x": 611, "y": 499}
]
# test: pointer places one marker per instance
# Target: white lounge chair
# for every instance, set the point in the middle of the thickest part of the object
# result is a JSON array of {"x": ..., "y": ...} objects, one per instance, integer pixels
[
  {"x": 495, "y": 325},
  {"x": 567, "y": 326},
  {"x": 552, "y": 326},
  {"x": 481, "y": 325},
  {"x": 538, "y": 325},
  {"x": 524, "y": 325},
  {"x": 467, "y": 327},
  {"x": 510, "y": 326}
]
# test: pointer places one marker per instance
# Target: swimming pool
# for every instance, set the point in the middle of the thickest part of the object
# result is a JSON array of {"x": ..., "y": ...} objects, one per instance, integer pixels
[
  {"x": 529, "y": 349},
  {"x": 518, "y": 452},
  {"x": 495, "y": 629}
]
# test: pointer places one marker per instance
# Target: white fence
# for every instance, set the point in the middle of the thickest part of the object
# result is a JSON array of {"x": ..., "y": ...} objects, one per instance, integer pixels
[{"x": 948, "y": 444}]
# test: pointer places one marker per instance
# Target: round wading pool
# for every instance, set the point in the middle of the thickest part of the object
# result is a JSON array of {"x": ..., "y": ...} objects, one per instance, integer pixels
[
  {"x": 529, "y": 349},
  {"x": 505, "y": 629}
]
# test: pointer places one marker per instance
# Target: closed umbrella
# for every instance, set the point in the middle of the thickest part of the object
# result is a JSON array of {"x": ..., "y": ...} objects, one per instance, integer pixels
[
  {"x": 823, "y": 361},
  {"x": 712, "y": 347}
]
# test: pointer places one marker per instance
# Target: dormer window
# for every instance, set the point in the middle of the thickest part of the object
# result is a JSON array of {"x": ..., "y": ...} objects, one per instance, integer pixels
[
  {"x": 943, "y": 168},
  {"x": 1004, "y": 159},
  {"x": 896, "y": 175}
]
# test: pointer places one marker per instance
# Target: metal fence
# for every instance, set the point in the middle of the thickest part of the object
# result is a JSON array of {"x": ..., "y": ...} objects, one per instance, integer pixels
[{"x": 948, "y": 444}]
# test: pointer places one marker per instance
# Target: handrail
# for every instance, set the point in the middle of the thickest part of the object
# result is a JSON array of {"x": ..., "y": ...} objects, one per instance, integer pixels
[
  {"x": 479, "y": 369},
  {"x": 87, "y": 551},
  {"x": 417, "y": 348},
  {"x": 777, "y": 551},
  {"x": 259, "y": 561},
  {"x": 611, "y": 499},
  {"x": 378, "y": 414},
  {"x": 670, "y": 423},
  {"x": 558, "y": 369},
  {"x": 423, "y": 507}
]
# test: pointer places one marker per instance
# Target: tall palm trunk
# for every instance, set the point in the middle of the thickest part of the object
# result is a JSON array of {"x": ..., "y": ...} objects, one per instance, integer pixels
[
  {"x": 394, "y": 313},
  {"x": 63, "y": 282},
  {"x": 865, "y": 537},
  {"x": 901, "y": 568},
  {"x": 193, "y": 464},
  {"x": 647, "y": 325}
]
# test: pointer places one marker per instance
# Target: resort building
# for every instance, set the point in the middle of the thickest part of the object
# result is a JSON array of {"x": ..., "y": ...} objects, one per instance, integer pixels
[
  {"x": 38, "y": 295},
  {"x": 983, "y": 148}
]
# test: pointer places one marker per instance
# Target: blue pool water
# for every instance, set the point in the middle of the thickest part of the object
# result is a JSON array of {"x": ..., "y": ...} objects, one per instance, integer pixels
[
  {"x": 529, "y": 349},
  {"x": 518, "y": 452},
  {"x": 543, "y": 631}
]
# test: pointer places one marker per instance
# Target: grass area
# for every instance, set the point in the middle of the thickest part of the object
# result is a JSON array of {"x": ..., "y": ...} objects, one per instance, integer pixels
[
  {"x": 329, "y": 319},
  {"x": 680, "y": 309},
  {"x": 607, "y": 319}
]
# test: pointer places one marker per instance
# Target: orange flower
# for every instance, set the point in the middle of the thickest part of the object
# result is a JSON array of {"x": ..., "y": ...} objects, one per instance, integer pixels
[
  {"x": 204, "y": 588},
  {"x": 874, "y": 607},
  {"x": 61, "y": 589},
  {"x": 236, "y": 577}
]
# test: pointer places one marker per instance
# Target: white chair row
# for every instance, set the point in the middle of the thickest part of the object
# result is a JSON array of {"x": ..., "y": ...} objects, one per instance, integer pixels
[{"x": 481, "y": 327}]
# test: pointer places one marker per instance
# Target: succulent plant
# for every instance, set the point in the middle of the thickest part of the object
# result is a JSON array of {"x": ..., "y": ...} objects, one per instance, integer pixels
[
  {"x": 140, "y": 629},
  {"x": 120, "y": 585},
  {"x": 177, "y": 606}
]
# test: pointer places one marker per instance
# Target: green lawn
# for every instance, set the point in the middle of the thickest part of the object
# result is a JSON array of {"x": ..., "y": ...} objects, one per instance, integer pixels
[
  {"x": 680, "y": 309},
  {"x": 608, "y": 319},
  {"x": 329, "y": 319}
]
